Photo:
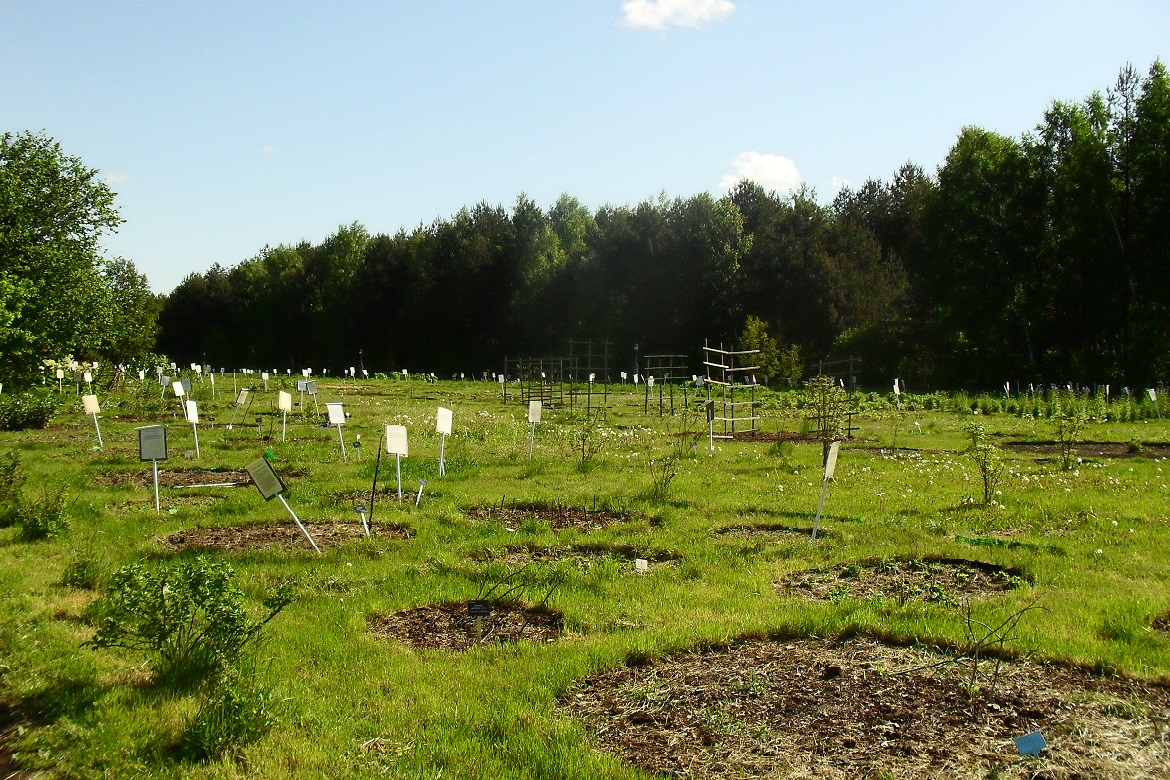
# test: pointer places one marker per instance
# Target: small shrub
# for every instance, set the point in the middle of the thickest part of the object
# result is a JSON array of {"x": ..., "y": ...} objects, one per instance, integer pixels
[
  {"x": 11, "y": 481},
  {"x": 84, "y": 570},
  {"x": 21, "y": 411},
  {"x": 191, "y": 617},
  {"x": 1071, "y": 419},
  {"x": 988, "y": 459},
  {"x": 1134, "y": 446},
  {"x": 45, "y": 516}
]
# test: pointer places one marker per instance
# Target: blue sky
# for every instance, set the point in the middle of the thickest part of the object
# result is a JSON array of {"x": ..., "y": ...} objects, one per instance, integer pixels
[{"x": 226, "y": 126}]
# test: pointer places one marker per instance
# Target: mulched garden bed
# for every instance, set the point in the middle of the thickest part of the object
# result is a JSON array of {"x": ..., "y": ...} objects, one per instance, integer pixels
[
  {"x": 860, "y": 709},
  {"x": 286, "y": 535},
  {"x": 581, "y": 554},
  {"x": 1161, "y": 623},
  {"x": 1091, "y": 449},
  {"x": 769, "y": 436},
  {"x": 937, "y": 580},
  {"x": 181, "y": 478},
  {"x": 450, "y": 626},
  {"x": 555, "y": 517}
]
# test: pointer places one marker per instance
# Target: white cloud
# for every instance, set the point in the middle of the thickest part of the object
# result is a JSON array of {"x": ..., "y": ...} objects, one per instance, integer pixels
[
  {"x": 657, "y": 14},
  {"x": 770, "y": 171},
  {"x": 267, "y": 149},
  {"x": 836, "y": 184},
  {"x": 115, "y": 177}
]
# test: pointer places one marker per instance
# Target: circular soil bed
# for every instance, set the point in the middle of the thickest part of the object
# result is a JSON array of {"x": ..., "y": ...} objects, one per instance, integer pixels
[
  {"x": 580, "y": 555},
  {"x": 767, "y": 436},
  {"x": 1091, "y": 449},
  {"x": 860, "y": 709},
  {"x": 181, "y": 478},
  {"x": 452, "y": 627},
  {"x": 557, "y": 518},
  {"x": 937, "y": 580},
  {"x": 287, "y": 535}
]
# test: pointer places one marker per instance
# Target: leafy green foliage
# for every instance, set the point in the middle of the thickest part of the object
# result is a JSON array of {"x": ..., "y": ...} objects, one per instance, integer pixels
[
  {"x": 988, "y": 459},
  {"x": 37, "y": 518},
  {"x": 32, "y": 409},
  {"x": 191, "y": 617},
  {"x": 237, "y": 711}
]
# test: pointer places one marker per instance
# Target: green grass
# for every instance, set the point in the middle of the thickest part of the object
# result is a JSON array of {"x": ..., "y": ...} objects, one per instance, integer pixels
[{"x": 1092, "y": 541}]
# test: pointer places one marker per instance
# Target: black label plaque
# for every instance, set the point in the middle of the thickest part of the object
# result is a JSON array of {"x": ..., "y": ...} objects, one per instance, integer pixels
[
  {"x": 479, "y": 608},
  {"x": 265, "y": 479},
  {"x": 152, "y": 442}
]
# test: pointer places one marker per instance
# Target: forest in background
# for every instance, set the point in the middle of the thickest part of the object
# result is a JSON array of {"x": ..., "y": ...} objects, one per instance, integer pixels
[{"x": 1039, "y": 258}]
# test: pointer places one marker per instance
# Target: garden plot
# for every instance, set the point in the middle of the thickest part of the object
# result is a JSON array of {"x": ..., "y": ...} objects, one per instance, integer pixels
[
  {"x": 556, "y": 517},
  {"x": 284, "y": 535},
  {"x": 581, "y": 555},
  {"x": 1092, "y": 449},
  {"x": 942, "y": 580},
  {"x": 769, "y": 529},
  {"x": 177, "y": 478},
  {"x": 858, "y": 708},
  {"x": 451, "y": 626}
]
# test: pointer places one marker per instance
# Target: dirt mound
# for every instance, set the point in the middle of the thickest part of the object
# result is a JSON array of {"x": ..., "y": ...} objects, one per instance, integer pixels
[
  {"x": 287, "y": 535},
  {"x": 580, "y": 555},
  {"x": 857, "y": 708},
  {"x": 181, "y": 478},
  {"x": 941, "y": 580},
  {"x": 555, "y": 517},
  {"x": 452, "y": 626},
  {"x": 1092, "y": 449}
]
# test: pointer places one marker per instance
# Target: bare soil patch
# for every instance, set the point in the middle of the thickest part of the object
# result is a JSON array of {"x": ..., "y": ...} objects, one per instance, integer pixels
[
  {"x": 581, "y": 555},
  {"x": 181, "y": 478},
  {"x": 1161, "y": 623},
  {"x": 10, "y": 722},
  {"x": 555, "y": 517},
  {"x": 771, "y": 436},
  {"x": 860, "y": 709},
  {"x": 286, "y": 535},
  {"x": 1091, "y": 449},
  {"x": 451, "y": 626},
  {"x": 941, "y": 580}
]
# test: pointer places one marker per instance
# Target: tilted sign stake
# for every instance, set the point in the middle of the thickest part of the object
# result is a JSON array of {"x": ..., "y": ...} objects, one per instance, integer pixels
[
  {"x": 152, "y": 446},
  {"x": 830, "y": 467},
  {"x": 90, "y": 404},
  {"x": 180, "y": 392},
  {"x": 241, "y": 399},
  {"x": 710, "y": 428},
  {"x": 270, "y": 487},
  {"x": 443, "y": 427},
  {"x": 337, "y": 417}
]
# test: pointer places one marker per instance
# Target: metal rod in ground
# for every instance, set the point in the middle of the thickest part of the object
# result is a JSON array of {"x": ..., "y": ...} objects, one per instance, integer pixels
[
  {"x": 398, "y": 460},
  {"x": 195, "y": 430},
  {"x": 297, "y": 520},
  {"x": 364, "y": 523},
  {"x": 820, "y": 506},
  {"x": 156, "y": 505},
  {"x": 99, "y": 431},
  {"x": 374, "y": 487},
  {"x": 442, "y": 462},
  {"x": 342, "y": 440},
  {"x": 283, "y": 425},
  {"x": 531, "y": 435}
]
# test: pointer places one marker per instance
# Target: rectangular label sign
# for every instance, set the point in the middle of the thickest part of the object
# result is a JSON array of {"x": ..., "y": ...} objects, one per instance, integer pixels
[
  {"x": 443, "y": 421},
  {"x": 396, "y": 440},
  {"x": 152, "y": 442},
  {"x": 265, "y": 479}
]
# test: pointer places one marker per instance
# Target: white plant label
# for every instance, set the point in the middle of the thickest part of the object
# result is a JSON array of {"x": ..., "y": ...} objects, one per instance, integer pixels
[
  {"x": 534, "y": 408},
  {"x": 396, "y": 440},
  {"x": 180, "y": 391},
  {"x": 242, "y": 398},
  {"x": 192, "y": 413},
  {"x": 443, "y": 421},
  {"x": 284, "y": 401},
  {"x": 831, "y": 463},
  {"x": 336, "y": 412},
  {"x": 90, "y": 404}
]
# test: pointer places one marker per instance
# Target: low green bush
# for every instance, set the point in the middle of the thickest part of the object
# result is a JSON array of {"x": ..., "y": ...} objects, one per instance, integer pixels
[{"x": 33, "y": 409}]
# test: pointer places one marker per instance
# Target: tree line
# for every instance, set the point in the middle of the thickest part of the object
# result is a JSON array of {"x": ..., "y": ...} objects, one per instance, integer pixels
[{"x": 1038, "y": 258}]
